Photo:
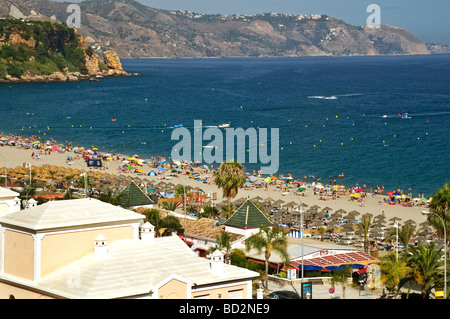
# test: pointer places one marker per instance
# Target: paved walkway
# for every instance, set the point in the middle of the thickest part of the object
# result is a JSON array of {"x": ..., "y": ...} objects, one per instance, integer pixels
[{"x": 321, "y": 291}]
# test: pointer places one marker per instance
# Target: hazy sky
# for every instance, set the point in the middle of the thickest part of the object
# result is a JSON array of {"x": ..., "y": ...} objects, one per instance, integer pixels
[{"x": 428, "y": 20}]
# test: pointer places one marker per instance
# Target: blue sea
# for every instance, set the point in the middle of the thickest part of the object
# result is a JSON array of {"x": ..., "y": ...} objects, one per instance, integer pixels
[{"x": 328, "y": 111}]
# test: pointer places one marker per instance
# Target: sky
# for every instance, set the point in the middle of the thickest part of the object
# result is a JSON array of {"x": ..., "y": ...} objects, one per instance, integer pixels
[{"x": 427, "y": 20}]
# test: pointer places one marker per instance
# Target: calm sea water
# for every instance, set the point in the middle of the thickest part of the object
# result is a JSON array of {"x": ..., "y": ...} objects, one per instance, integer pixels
[{"x": 328, "y": 111}]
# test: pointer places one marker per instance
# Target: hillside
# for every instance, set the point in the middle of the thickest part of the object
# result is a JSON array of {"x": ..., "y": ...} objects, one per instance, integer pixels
[
  {"x": 134, "y": 30},
  {"x": 36, "y": 51}
]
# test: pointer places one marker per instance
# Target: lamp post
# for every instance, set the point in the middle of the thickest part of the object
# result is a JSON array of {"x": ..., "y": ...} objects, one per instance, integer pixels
[
  {"x": 445, "y": 251},
  {"x": 301, "y": 231},
  {"x": 29, "y": 166},
  {"x": 396, "y": 239}
]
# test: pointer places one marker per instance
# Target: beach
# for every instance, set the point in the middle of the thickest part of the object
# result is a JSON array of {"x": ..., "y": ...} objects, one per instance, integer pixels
[{"x": 13, "y": 156}]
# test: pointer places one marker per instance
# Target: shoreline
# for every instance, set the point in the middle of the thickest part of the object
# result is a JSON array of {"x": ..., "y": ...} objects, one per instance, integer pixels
[{"x": 14, "y": 156}]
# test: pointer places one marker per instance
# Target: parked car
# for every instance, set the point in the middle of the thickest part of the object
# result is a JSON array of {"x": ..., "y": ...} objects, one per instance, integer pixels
[{"x": 283, "y": 294}]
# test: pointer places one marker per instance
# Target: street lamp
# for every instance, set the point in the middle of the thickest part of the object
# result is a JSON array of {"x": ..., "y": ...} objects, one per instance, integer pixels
[
  {"x": 29, "y": 166},
  {"x": 396, "y": 239},
  {"x": 445, "y": 251},
  {"x": 301, "y": 231}
]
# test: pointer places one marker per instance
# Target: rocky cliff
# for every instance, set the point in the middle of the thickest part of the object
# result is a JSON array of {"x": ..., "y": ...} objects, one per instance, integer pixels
[
  {"x": 34, "y": 51},
  {"x": 134, "y": 30}
]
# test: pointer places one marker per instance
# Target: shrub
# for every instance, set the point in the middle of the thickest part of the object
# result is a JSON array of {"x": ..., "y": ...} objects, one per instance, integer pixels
[{"x": 14, "y": 69}]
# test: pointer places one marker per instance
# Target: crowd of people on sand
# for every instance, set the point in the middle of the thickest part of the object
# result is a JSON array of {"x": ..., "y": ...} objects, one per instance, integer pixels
[{"x": 160, "y": 166}]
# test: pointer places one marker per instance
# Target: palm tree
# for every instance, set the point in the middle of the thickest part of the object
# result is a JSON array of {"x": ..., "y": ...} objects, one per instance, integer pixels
[
  {"x": 341, "y": 276},
  {"x": 169, "y": 205},
  {"x": 425, "y": 264},
  {"x": 180, "y": 191},
  {"x": 223, "y": 243},
  {"x": 393, "y": 272},
  {"x": 68, "y": 179},
  {"x": 321, "y": 231},
  {"x": 230, "y": 176},
  {"x": 440, "y": 204},
  {"x": 171, "y": 223},
  {"x": 162, "y": 224},
  {"x": 269, "y": 240},
  {"x": 405, "y": 235},
  {"x": 364, "y": 226}
]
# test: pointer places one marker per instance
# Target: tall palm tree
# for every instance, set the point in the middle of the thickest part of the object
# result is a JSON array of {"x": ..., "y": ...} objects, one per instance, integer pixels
[
  {"x": 364, "y": 226},
  {"x": 230, "y": 176},
  {"x": 440, "y": 204},
  {"x": 341, "y": 276},
  {"x": 425, "y": 264},
  {"x": 223, "y": 243},
  {"x": 269, "y": 240},
  {"x": 180, "y": 191},
  {"x": 406, "y": 234},
  {"x": 393, "y": 271}
]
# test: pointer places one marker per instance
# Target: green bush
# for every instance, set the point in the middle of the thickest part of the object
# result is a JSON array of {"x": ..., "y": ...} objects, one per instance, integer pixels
[
  {"x": 3, "y": 70},
  {"x": 14, "y": 69}
]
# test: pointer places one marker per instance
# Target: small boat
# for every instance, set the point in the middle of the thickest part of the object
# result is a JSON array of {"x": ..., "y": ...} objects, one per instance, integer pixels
[
  {"x": 405, "y": 116},
  {"x": 113, "y": 120},
  {"x": 208, "y": 146},
  {"x": 179, "y": 125},
  {"x": 384, "y": 116},
  {"x": 223, "y": 125}
]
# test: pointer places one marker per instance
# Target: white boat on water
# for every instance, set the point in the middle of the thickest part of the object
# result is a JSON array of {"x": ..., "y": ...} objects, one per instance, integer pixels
[
  {"x": 223, "y": 125},
  {"x": 405, "y": 116},
  {"x": 208, "y": 146}
]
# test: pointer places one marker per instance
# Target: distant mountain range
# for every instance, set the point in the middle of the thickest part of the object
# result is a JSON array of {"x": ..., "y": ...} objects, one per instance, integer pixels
[{"x": 134, "y": 30}]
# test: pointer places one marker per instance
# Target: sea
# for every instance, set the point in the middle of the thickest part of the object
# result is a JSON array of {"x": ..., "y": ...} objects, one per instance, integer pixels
[{"x": 328, "y": 112}]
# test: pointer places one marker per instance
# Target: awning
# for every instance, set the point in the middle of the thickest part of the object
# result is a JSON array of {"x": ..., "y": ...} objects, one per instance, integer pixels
[{"x": 356, "y": 259}]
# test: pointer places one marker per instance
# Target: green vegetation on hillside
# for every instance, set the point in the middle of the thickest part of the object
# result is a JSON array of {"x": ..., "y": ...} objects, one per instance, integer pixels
[{"x": 39, "y": 48}]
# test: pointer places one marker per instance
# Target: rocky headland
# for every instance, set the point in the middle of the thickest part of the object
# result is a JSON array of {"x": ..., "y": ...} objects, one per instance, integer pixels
[{"x": 34, "y": 51}]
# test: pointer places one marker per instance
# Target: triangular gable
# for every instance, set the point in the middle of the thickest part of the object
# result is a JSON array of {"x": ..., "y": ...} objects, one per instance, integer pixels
[{"x": 248, "y": 216}]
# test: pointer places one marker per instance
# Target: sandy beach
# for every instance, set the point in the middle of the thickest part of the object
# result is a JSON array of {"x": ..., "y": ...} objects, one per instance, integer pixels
[{"x": 13, "y": 156}]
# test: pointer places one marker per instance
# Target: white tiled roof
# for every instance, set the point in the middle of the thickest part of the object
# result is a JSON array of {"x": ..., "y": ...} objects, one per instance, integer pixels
[
  {"x": 69, "y": 213},
  {"x": 134, "y": 267},
  {"x": 5, "y": 192}
]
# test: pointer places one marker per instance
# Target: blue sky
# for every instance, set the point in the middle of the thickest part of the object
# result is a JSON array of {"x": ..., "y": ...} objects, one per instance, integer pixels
[{"x": 428, "y": 20}]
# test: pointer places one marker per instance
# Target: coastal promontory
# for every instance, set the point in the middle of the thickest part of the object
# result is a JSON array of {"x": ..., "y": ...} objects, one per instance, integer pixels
[{"x": 44, "y": 51}]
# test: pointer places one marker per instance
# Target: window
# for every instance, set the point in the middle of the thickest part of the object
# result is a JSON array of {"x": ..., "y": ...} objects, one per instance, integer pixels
[{"x": 236, "y": 294}]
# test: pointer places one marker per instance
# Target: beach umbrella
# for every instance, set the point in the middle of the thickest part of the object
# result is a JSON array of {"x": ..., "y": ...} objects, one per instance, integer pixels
[
  {"x": 410, "y": 221},
  {"x": 257, "y": 199}
]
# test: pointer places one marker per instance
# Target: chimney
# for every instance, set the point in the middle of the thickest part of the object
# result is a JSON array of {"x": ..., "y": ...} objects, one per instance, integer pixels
[
  {"x": 147, "y": 232},
  {"x": 216, "y": 262},
  {"x": 100, "y": 247}
]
